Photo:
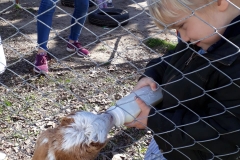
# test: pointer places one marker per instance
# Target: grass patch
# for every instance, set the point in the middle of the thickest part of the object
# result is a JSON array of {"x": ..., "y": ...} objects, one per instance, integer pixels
[
  {"x": 156, "y": 42},
  {"x": 1, "y": 109},
  {"x": 68, "y": 81},
  {"x": 18, "y": 6},
  {"x": 8, "y": 103}
]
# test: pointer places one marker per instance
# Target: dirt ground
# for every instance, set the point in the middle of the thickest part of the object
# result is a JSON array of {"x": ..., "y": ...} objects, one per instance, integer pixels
[{"x": 31, "y": 103}]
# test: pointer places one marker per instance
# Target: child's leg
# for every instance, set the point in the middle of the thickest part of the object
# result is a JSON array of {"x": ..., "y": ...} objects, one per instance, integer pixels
[
  {"x": 81, "y": 8},
  {"x": 44, "y": 23},
  {"x": 79, "y": 17},
  {"x": 153, "y": 152}
]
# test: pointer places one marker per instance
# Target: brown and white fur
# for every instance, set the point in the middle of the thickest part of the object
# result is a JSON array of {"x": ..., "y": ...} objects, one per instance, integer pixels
[{"x": 80, "y": 136}]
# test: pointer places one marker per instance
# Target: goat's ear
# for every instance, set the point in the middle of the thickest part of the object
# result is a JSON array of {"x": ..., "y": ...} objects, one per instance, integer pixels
[{"x": 66, "y": 121}]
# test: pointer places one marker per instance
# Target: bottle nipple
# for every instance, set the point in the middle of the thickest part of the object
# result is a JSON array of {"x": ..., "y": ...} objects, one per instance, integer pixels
[{"x": 118, "y": 115}]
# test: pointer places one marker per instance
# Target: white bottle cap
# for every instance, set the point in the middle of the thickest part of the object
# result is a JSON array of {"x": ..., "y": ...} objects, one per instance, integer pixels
[{"x": 118, "y": 115}]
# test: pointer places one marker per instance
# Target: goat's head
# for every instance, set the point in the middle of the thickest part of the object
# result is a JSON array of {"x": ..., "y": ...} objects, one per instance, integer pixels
[{"x": 81, "y": 135}]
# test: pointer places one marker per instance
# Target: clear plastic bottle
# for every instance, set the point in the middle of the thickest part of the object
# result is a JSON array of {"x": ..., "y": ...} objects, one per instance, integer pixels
[{"x": 126, "y": 109}]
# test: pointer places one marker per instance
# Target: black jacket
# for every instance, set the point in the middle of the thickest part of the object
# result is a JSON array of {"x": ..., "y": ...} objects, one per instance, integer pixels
[{"x": 199, "y": 117}]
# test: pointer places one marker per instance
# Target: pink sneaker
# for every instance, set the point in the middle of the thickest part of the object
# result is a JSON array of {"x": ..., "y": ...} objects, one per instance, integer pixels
[
  {"x": 76, "y": 46},
  {"x": 41, "y": 65}
]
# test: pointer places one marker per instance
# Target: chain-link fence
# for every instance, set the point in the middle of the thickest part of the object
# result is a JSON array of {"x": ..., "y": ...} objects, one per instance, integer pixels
[{"x": 31, "y": 102}]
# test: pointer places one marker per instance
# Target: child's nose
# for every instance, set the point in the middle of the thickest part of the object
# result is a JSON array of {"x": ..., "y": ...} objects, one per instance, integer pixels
[{"x": 184, "y": 37}]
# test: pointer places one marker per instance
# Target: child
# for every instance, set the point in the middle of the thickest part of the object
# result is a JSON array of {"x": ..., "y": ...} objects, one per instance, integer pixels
[
  {"x": 44, "y": 24},
  {"x": 199, "y": 117}
]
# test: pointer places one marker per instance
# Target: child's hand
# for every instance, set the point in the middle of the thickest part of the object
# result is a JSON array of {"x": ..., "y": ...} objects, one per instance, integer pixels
[
  {"x": 146, "y": 81},
  {"x": 141, "y": 120}
]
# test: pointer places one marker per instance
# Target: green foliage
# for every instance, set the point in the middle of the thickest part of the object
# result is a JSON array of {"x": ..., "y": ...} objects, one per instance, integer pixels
[
  {"x": 1, "y": 109},
  {"x": 156, "y": 42},
  {"x": 30, "y": 97},
  {"x": 7, "y": 103},
  {"x": 68, "y": 81},
  {"x": 18, "y": 6}
]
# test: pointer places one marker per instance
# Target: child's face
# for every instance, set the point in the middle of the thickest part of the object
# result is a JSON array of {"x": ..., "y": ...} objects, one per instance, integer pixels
[{"x": 196, "y": 31}]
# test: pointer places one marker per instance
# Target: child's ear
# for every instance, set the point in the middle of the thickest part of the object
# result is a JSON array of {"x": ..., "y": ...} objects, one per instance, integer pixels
[{"x": 222, "y": 5}]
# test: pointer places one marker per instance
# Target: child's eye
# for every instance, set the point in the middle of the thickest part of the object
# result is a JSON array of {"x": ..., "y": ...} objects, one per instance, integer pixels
[{"x": 180, "y": 26}]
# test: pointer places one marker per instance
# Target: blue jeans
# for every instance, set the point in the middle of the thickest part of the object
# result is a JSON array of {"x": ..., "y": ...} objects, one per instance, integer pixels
[{"x": 45, "y": 15}]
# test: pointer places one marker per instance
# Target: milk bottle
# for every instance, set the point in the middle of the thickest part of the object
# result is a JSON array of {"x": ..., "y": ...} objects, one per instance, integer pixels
[{"x": 126, "y": 109}]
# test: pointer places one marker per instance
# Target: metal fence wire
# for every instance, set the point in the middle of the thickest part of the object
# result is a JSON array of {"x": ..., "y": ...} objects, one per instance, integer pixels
[{"x": 31, "y": 103}]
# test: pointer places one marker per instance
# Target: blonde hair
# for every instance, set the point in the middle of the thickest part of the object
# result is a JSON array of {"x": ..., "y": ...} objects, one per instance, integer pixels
[{"x": 164, "y": 11}]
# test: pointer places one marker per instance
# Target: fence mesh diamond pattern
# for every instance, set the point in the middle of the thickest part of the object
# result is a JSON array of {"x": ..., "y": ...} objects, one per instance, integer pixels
[{"x": 32, "y": 102}]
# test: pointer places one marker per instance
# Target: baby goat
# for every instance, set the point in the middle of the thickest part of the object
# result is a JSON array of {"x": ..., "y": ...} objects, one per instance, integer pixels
[{"x": 80, "y": 136}]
